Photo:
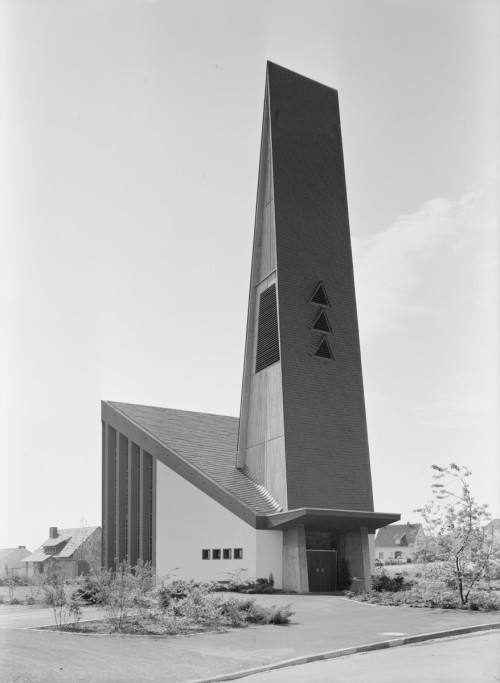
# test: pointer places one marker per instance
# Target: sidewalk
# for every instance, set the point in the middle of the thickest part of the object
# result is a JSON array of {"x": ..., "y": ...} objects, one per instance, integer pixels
[{"x": 321, "y": 624}]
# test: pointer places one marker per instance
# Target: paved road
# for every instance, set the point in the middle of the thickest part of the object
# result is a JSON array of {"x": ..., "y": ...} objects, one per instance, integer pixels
[
  {"x": 320, "y": 624},
  {"x": 466, "y": 659},
  {"x": 21, "y": 617}
]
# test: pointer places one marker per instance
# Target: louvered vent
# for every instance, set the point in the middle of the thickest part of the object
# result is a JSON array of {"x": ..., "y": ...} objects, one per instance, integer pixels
[
  {"x": 319, "y": 296},
  {"x": 323, "y": 350},
  {"x": 268, "y": 347},
  {"x": 322, "y": 324}
]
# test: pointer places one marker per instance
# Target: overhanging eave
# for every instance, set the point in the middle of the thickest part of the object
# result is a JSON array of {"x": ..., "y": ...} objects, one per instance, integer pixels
[{"x": 337, "y": 521}]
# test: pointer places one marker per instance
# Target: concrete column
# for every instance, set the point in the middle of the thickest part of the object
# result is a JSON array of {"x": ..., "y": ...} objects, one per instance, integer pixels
[
  {"x": 353, "y": 547},
  {"x": 109, "y": 496},
  {"x": 153, "y": 512},
  {"x": 133, "y": 500},
  {"x": 146, "y": 507},
  {"x": 295, "y": 560},
  {"x": 121, "y": 498}
]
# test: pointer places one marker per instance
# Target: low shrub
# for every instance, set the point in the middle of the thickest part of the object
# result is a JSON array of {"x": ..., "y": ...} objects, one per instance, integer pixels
[
  {"x": 381, "y": 581},
  {"x": 280, "y": 615},
  {"x": 429, "y": 597},
  {"x": 238, "y": 583},
  {"x": 89, "y": 591},
  {"x": 9, "y": 578}
]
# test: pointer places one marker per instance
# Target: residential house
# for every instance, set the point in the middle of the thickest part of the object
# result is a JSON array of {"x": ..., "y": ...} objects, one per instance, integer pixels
[
  {"x": 493, "y": 526},
  {"x": 76, "y": 551},
  {"x": 398, "y": 543},
  {"x": 11, "y": 560}
]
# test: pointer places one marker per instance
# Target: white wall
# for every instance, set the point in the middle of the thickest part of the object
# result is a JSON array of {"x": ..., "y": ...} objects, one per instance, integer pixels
[
  {"x": 270, "y": 555},
  {"x": 188, "y": 520},
  {"x": 390, "y": 552}
]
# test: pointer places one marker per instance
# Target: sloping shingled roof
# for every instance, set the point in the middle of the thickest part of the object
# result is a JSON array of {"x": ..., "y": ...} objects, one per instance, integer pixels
[
  {"x": 207, "y": 442},
  {"x": 387, "y": 536},
  {"x": 73, "y": 539}
]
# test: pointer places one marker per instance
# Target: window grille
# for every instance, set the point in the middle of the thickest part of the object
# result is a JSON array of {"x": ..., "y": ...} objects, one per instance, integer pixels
[{"x": 268, "y": 346}]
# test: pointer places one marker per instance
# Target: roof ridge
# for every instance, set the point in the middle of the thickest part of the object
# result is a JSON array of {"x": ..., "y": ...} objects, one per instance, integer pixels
[{"x": 172, "y": 410}]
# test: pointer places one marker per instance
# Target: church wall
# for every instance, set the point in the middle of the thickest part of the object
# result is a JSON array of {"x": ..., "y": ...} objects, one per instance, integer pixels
[{"x": 188, "y": 521}]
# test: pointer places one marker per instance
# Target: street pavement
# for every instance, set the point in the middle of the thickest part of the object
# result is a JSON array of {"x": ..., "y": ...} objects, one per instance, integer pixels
[
  {"x": 474, "y": 658},
  {"x": 321, "y": 624}
]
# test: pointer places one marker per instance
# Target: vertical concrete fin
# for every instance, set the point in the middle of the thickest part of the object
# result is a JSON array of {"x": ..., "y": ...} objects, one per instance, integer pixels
[{"x": 261, "y": 446}]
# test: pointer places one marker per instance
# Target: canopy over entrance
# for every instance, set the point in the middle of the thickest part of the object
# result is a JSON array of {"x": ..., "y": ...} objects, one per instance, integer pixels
[{"x": 337, "y": 521}]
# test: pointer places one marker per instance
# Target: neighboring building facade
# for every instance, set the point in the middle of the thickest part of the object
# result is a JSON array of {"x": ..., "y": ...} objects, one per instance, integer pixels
[
  {"x": 286, "y": 489},
  {"x": 76, "y": 551},
  {"x": 493, "y": 528},
  {"x": 399, "y": 542},
  {"x": 11, "y": 560}
]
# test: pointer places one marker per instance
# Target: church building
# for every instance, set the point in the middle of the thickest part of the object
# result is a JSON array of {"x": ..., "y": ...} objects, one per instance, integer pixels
[{"x": 286, "y": 488}]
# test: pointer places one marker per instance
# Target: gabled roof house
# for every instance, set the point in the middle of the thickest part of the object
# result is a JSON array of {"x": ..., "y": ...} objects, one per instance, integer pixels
[
  {"x": 11, "y": 560},
  {"x": 206, "y": 496},
  {"x": 74, "y": 550},
  {"x": 399, "y": 542}
]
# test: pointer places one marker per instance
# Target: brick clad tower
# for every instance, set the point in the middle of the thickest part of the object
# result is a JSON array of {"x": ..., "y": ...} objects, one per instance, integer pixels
[{"x": 303, "y": 431}]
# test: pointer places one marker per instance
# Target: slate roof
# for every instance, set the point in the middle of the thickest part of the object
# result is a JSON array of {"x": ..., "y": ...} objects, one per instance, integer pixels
[
  {"x": 207, "y": 442},
  {"x": 72, "y": 539},
  {"x": 7, "y": 554},
  {"x": 388, "y": 535}
]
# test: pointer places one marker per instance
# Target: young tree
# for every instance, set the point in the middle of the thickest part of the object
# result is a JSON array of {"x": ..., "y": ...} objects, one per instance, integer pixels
[
  {"x": 466, "y": 549},
  {"x": 65, "y": 604}
]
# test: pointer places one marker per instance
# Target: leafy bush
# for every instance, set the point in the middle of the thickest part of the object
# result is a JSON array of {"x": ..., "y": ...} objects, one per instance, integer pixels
[
  {"x": 238, "y": 583},
  {"x": 279, "y": 615},
  {"x": 251, "y": 613},
  {"x": 381, "y": 581},
  {"x": 89, "y": 590},
  {"x": 9, "y": 578},
  {"x": 345, "y": 579}
]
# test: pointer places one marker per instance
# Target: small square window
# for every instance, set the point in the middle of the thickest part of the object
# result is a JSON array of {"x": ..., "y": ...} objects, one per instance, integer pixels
[
  {"x": 238, "y": 553},
  {"x": 226, "y": 554},
  {"x": 205, "y": 554},
  {"x": 216, "y": 554}
]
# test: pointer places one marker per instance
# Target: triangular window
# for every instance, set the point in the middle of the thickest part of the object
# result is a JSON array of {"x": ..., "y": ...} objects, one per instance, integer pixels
[
  {"x": 319, "y": 297},
  {"x": 322, "y": 323},
  {"x": 324, "y": 350}
]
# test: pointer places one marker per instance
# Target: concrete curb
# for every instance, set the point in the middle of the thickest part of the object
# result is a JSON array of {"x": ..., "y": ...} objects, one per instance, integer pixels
[{"x": 344, "y": 652}]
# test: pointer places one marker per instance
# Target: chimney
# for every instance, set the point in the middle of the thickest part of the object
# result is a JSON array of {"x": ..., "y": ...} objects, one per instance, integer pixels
[{"x": 53, "y": 532}]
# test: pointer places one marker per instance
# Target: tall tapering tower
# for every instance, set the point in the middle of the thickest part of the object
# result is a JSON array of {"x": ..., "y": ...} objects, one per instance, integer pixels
[
  {"x": 303, "y": 428},
  {"x": 297, "y": 502}
]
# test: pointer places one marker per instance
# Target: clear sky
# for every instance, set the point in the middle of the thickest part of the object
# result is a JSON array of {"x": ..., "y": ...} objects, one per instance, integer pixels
[{"x": 129, "y": 137}]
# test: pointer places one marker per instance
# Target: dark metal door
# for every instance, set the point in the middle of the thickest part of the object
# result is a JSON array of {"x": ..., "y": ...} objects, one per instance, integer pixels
[{"x": 322, "y": 570}]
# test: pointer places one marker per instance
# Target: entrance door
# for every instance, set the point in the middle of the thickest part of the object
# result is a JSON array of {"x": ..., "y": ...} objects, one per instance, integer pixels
[{"x": 322, "y": 570}]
